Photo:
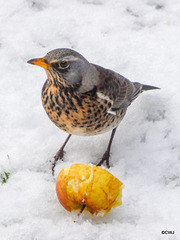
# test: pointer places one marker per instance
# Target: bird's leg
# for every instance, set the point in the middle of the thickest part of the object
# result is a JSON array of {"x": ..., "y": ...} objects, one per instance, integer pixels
[
  {"x": 59, "y": 154},
  {"x": 106, "y": 155}
]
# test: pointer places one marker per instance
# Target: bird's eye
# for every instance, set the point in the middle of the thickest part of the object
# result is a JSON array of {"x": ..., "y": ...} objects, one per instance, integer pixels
[{"x": 63, "y": 64}]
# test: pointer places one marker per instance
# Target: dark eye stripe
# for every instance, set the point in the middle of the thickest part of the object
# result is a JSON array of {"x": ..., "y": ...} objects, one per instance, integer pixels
[
  {"x": 55, "y": 65},
  {"x": 63, "y": 70}
]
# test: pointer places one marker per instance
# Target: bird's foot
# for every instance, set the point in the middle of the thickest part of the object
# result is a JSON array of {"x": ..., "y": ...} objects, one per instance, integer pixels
[
  {"x": 105, "y": 158},
  {"x": 59, "y": 155}
]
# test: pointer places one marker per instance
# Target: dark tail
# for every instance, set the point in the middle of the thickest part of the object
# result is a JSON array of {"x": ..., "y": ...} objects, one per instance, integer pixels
[
  {"x": 139, "y": 88},
  {"x": 148, "y": 87}
]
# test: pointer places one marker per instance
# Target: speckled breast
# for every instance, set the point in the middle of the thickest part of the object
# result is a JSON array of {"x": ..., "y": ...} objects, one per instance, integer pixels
[{"x": 83, "y": 114}]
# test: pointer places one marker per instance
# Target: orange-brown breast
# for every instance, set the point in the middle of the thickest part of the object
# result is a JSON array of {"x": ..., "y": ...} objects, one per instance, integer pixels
[{"x": 83, "y": 114}]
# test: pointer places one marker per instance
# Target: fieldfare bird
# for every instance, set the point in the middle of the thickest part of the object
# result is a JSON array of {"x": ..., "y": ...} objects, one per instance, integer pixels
[{"x": 82, "y": 98}]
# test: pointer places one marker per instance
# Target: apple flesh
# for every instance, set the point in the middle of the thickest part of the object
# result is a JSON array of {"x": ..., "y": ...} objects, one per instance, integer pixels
[{"x": 88, "y": 185}]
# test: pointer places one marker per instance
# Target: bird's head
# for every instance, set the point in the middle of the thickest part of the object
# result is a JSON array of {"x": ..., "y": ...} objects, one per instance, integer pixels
[{"x": 68, "y": 65}]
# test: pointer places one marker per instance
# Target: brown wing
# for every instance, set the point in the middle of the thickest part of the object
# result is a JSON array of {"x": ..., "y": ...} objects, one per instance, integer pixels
[{"x": 117, "y": 88}]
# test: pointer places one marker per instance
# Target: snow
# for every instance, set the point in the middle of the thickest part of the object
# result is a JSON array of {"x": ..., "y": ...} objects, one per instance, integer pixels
[{"x": 140, "y": 40}]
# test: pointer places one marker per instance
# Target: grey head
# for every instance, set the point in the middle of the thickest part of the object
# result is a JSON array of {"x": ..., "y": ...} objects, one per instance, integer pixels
[{"x": 73, "y": 68}]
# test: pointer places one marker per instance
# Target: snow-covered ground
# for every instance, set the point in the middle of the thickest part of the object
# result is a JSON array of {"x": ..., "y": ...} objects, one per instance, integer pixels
[{"x": 139, "y": 39}]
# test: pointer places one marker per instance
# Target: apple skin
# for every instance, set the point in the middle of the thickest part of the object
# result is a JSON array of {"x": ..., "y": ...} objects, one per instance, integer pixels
[{"x": 88, "y": 185}]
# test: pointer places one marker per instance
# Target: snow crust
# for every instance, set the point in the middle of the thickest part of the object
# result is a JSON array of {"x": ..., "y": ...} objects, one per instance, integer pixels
[{"x": 140, "y": 40}]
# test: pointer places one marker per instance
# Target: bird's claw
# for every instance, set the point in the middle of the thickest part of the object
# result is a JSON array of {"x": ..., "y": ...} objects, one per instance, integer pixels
[
  {"x": 59, "y": 155},
  {"x": 105, "y": 158}
]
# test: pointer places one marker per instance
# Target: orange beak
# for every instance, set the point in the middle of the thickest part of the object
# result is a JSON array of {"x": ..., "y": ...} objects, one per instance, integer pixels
[{"x": 40, "y": 62}]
